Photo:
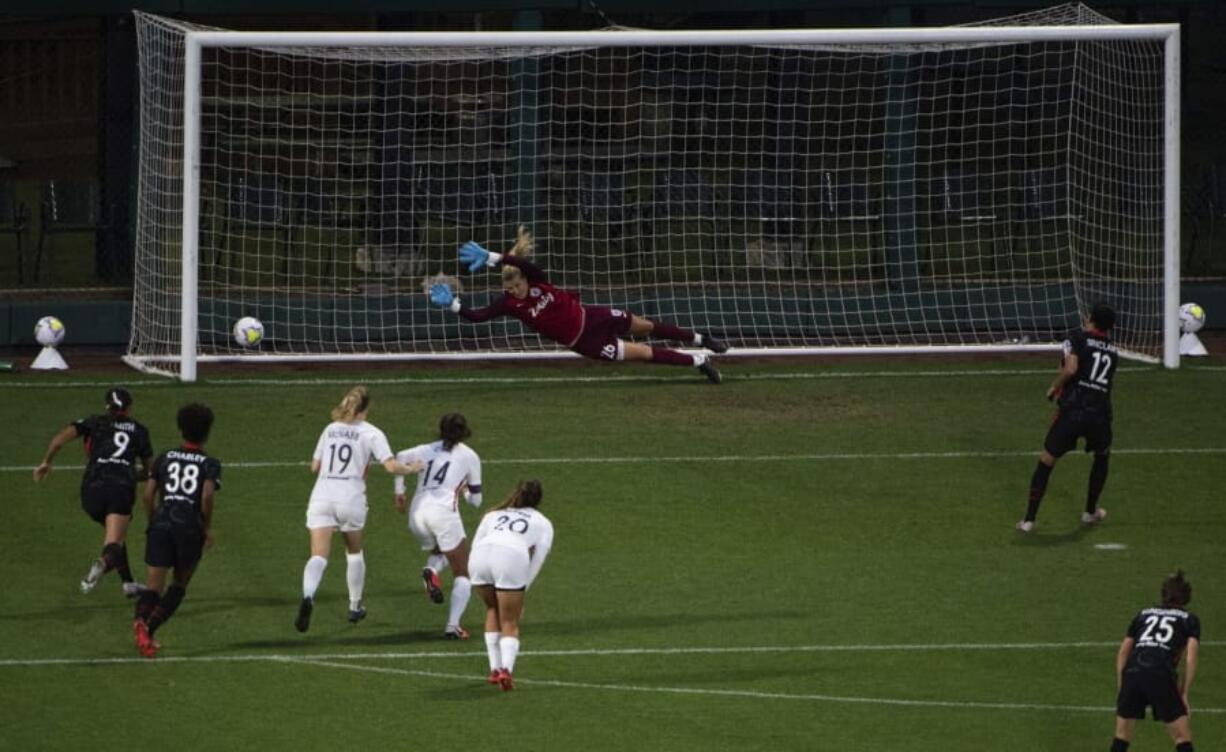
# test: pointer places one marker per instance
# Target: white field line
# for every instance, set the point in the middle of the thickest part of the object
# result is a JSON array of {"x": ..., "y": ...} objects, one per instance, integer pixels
[
  {"x": 432, "y": 380},
  {"x": 750, "y": 694},
  {"x": 827, "y": 457}
]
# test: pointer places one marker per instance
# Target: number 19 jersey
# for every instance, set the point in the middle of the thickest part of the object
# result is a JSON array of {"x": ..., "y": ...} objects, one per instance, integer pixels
[{"x": 343, "y": 451}]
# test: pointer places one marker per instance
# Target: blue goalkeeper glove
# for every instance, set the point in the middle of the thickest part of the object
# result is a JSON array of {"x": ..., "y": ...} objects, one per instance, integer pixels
[
  {"x": 474, "y": 255},
  {"x": 440, "y": 294}
]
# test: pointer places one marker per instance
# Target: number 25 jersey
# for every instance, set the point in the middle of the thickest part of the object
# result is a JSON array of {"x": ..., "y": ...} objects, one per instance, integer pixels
[{"x": 1161, "y": 634}]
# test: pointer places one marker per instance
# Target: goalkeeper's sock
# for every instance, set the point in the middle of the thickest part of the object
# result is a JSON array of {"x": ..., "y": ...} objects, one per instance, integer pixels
[
  {"x": 312, "y": 574},
  {"x": 1038, "y": 486},
  {"x": 1098, "y": 479},
  {"x": 672, "y": 331},
  {"x": 491, "y": 649},
  {"x": 508, "y": 647},
  {"x": 437, "y": 562},
  {"x": 672, "y": 357}
]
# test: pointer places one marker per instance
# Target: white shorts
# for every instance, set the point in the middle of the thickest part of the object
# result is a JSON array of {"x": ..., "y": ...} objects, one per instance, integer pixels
[
  {"x": 346, "y": 517},
  {"x": 503, "y": 567},
  {"x": 433, "y": 525}
]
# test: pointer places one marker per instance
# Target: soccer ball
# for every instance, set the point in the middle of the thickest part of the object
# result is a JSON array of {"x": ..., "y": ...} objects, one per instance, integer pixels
[
  {"x": 248, "y": 331},
  {"x": 1191, "y": 318},
  {"x": 49, "y": 331}
]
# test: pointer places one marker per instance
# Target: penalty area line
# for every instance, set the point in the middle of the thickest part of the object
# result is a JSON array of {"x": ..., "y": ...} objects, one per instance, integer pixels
[{"x": 742, "y": 693}]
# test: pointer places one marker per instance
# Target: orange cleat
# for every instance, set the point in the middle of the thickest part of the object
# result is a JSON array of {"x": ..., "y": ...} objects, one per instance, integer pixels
[
  {"x": 434, "y": 587},
  {"x": 145, "y": 643},
  {"x": 495, "y": 677},
  {"x": 505, "y": 680}
]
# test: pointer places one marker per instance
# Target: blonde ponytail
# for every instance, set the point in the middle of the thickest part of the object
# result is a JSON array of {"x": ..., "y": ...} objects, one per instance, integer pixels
[
  {"x": 356, "y": 401},
  {"x": 524, "y": 244}
]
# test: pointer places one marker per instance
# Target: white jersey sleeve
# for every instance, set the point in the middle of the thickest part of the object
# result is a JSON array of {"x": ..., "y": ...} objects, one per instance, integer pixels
[
  {"x": 405, "y": 457},
  {"x": 445, "y": 473},
  {"x": 540, "y": 549}
]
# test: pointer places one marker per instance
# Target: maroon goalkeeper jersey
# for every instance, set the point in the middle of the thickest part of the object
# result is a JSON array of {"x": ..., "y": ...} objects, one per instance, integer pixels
[{"x": 552, "y": 311}]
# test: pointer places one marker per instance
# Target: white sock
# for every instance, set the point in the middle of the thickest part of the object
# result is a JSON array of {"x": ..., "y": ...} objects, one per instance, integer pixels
[
  {"x": 460, "y": 590},
  {"x": 437, "y": 562},
  {"x": 491, "y": 649},
  {"x": 509, "y": 647},
  {"x": 312, "y": 574},
  {"x": 697, "y": 340},
  {"x": 356, "y": 575},
  {"x": 699, "y": 359}
]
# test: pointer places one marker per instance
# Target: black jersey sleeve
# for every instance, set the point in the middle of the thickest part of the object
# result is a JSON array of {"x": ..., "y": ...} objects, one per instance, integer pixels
[
  {"x": 86, "y": 426},
  {"x": 212, "y": 471},
  {"x": 1193, "y": 627},
  {"x": 144, "y": 446},
  {"x": 1134, "y": 628}
]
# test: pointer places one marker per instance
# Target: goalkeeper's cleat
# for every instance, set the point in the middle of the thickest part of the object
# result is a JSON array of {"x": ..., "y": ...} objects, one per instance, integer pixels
[
  {"x": 96, "y": 570},
  {"x": 145, "y": 644},
  {"x": 132, "y": 589},
  {"x": 505, "y": 680},
  {"x": 717, "y": 346},
  {"x": 1098, "y": 515},
  {"x": 709, "y": 370},
  {"x": 455, "y": 632},
  {"x": 434, "y": 587},
  {"x": 357, "y": 614},
  {"x": 495, "y": 676},
  {"x": 303, "y": 622},
  {"x": 1024, "y": 526}
]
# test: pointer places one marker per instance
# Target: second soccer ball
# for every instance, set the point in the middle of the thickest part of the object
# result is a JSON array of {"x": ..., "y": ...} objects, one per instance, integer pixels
[
  {"x": 1191, "y": 318},
  {"x": 248, "y": 331}
]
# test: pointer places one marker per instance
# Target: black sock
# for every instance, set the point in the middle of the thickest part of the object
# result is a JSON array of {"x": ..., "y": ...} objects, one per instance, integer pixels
[
  {"x": 1184, "y": 747},
  {"x": 1098, "y": 479},
  {"x": 1038, "y": 486},
  {"x": 166, "y": 608},
  {"x": 145, "y": 604},
  {"x": 112, "y": 554},
  {"x": 1119, "y": 745},
  {"x": 122, "y": 568}
]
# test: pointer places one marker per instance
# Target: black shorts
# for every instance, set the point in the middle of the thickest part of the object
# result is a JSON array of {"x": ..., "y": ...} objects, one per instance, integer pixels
[
  {"x": 101, "y": 498},
  {"x": 1150, "y": 688},
  {"x": 1071, "y": 425},
  {"x": 173, "y": 546}
]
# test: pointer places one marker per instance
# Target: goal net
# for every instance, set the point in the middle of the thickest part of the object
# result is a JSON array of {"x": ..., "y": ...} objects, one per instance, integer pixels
[{"x": 791, "y": 191}]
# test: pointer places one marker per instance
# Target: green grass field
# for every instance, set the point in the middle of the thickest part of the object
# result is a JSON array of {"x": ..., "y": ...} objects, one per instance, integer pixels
[{"x": 811, "y": 556}]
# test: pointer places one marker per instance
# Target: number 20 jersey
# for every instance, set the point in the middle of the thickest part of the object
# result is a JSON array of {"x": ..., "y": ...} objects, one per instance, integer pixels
[
  {"x": 1097, "y": 360},
  {"x": 1161, "y": 634},
  {"x": 180, "y": 475}
]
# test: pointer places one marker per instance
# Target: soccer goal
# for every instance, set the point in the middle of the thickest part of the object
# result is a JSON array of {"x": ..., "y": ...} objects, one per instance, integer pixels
[{"x": 954, "y": 189}]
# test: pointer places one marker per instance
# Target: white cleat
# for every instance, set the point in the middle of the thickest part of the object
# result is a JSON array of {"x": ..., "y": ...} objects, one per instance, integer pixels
[
  {"x": 92, "y": 576},
  {"x": 1099, "y": 515},
  {"x": 1025, "y": 526},
  {"x": 132, "y": 589}
]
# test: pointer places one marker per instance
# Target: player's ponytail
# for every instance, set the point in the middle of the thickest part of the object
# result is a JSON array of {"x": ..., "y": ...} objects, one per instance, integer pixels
[
  {"x": 356, "y": 401},
  {"x": 452, "y": 429},
  {"x": 1176, "y": 591},
  {"x": 524, "y": 243},
  {"x": 526, "y": 494}
]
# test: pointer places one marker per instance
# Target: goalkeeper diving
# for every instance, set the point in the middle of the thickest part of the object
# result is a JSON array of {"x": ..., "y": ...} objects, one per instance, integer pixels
[{"x": 594, "y": 332}]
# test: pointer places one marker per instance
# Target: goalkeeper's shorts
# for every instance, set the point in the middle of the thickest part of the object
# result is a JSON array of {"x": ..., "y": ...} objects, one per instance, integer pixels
[{"x": 603, "y": 329}]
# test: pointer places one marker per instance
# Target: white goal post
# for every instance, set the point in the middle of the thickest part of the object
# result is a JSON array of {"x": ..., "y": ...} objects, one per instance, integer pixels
[{"x": 953, "y": 189}]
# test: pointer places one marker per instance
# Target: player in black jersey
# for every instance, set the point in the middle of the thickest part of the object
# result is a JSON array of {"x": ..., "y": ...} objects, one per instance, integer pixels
[
  {"x": 1083, "y": 391},
  {"x": 1146, "y": 667},
  {"x": 180, "y": 526},
  {"x": 114, "y": 442}
]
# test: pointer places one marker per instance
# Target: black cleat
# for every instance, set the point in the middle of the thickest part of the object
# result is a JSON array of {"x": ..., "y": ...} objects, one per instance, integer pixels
[
  {"x": 710, "y": 371},
  {"x": 357, "y": 614},
  {"x": 303, "y": 622},
  {"x": 434, "y": 586},
  {"x": 717, "y": 346}
]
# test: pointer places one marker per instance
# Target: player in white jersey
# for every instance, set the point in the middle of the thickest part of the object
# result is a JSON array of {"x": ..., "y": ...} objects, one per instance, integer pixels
[
  {"x": 338, "y": 501},
  {"x": 452, "y": 469},
  {"x": 509, "y": 550}
]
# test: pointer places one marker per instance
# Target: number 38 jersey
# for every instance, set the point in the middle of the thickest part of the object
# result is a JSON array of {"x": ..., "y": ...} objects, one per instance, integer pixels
[
  {"x": 1161, "y": 634},
  {"x": 343, "y": 451},
  {"x": 180, "y": 475},
  {"x": 1097, "y": 360}
]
